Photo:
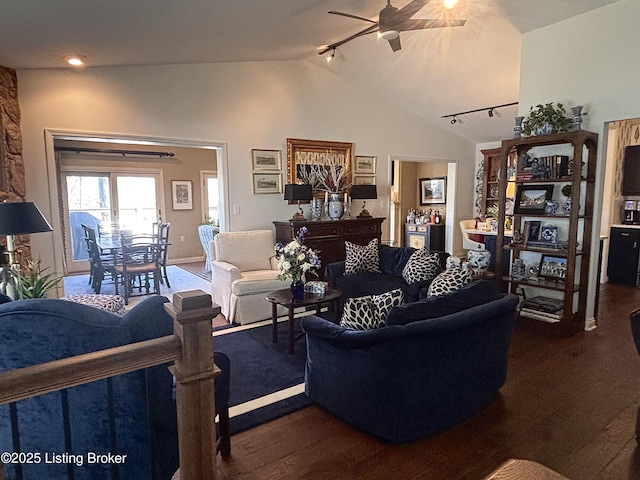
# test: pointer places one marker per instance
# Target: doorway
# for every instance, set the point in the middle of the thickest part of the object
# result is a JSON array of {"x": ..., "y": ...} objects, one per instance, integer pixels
[
  {"x": 215, "y": 151},
  {"x": 405, "y": 175}
]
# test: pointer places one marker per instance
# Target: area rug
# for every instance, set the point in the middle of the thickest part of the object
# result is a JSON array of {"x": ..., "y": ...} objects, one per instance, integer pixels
[{"x": 266, "y": 381}]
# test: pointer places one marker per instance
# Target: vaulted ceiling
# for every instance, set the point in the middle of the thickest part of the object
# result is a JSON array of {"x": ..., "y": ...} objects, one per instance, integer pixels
[{"x": 437, "y": 72}]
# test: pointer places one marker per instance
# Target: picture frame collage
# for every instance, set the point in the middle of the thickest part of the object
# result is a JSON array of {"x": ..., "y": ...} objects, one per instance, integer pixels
[
  {"x": 266, "y": 171},
  {"x": 364, "y": 170}
]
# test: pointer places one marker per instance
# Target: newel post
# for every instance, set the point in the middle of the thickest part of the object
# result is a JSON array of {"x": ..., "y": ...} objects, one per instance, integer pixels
[{"x": 192, "y": 312}]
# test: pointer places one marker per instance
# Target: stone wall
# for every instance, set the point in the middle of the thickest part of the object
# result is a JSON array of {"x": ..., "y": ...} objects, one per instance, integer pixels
[{"x": 12, "y": 182}]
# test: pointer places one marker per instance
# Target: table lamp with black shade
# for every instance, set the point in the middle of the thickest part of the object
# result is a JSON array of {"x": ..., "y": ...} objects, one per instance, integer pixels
[
  {"x": 296, "y": 193},
  {"x": 19, "y": 218},
  {"x": 364, "y": 192}
]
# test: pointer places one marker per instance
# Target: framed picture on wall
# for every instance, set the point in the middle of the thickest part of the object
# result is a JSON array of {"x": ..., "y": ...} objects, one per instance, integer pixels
[
  {"x": 182, "y": 194},
  {"x": 433, "y": 190},
  {"x": 364, "y": 180},
  {"x": 266, "y": 159},
  {"x": 267, "y": 183},
  {"x": 364, "y": 165}
]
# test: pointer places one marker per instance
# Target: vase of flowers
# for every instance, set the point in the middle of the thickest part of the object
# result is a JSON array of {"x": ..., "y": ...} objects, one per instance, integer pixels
[{"x": 295, "y": 260}]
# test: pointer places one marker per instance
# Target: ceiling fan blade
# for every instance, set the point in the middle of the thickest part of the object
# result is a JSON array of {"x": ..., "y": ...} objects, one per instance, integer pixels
[
  {"x": 409, "y": 10},
  {"x": 395, "y": 44},
  {"x": 370, "y": 29},
  {"x": 420, "y": 24},
  {"x": 342, "y": 14}
]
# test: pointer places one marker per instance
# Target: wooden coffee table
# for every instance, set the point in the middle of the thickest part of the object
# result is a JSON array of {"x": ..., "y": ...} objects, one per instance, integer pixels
[{"x": 283, "y": 297}]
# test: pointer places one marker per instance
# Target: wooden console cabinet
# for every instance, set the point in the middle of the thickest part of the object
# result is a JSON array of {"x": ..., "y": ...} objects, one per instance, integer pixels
[{"x": 328, "y": 236}]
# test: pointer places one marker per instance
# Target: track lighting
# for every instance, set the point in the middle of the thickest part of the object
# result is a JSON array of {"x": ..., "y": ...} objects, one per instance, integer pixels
[
  {"x": 331, "y": 55},
  {"x": 489, "y": 110}
]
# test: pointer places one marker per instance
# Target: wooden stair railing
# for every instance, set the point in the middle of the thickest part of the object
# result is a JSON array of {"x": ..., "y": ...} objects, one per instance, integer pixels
[{"x": 189, "y": 347}]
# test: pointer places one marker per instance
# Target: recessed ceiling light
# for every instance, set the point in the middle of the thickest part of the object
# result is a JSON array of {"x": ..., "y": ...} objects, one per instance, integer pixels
[
  {"x": 76, "y": 60},
  {"x": 449, "y": 4}
]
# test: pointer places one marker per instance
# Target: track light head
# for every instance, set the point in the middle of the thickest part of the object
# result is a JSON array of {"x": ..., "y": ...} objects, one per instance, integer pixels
[
  {"x": 454, "y": 120},
  {"x": 331, "y": 55},
  {"x": 491, "y": 113}
]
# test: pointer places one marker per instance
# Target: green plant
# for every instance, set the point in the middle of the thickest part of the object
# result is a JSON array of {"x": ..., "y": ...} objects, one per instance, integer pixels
[
  {"x": 211, "y": 221},
  {"x": 545, "y": 119},
  {"x": 33, "y": 282}
]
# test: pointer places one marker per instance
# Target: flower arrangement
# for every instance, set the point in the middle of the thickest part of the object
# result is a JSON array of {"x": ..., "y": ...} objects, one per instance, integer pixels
[
  {"x": 296, "y": 259},
  {"x": 547, "y": 118}
]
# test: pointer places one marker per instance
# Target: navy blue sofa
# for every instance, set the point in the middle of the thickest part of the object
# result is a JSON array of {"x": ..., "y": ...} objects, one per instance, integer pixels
[
  {"x": 132, "y": 414},
  {"x": 406, "y": 381},
  {"x": 392, "y": 262}
]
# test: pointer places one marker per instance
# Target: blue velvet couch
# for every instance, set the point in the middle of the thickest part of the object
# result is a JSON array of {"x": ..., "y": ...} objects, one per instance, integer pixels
[
  {"x": 106, "y": 416},
  {"x": 392, "y": 262},
  {"x": 406, "y": 381}
]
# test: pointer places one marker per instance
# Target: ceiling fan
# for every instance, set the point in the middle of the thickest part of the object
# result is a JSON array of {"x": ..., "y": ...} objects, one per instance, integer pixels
[{"x": 392, "y": 21}]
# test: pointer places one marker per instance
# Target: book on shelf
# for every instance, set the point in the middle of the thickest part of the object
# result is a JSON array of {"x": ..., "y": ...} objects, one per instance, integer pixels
[
  {"x": 557, "y": 316},
  {"x": 544, "y": 304},
  {"x": 538, "y": 316}
]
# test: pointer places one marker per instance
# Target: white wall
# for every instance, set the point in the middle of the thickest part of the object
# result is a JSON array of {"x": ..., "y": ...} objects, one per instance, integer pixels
[
  {"x": 589, "y": 60},
  {"x": 245, "y": 105}
]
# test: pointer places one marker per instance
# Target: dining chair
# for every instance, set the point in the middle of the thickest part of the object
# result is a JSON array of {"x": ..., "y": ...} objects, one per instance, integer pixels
[
  {"x": 99, "y": 265},
  {"x": 163, "y": 241},
  {"x": 139, "y": 259}
]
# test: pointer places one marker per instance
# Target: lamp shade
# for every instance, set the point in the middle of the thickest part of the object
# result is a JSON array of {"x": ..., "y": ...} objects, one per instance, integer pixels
[
  {"x": 294, "y": 191},
  {"x": 363, "y": 192},
  {"x": 19, "y": 218}
]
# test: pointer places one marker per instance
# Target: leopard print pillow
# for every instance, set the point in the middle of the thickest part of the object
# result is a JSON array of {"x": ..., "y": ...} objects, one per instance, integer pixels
[
  {"x": 362, "y": 259},
  {"x": 366, "y": 313},
  {"x": 448, "y": 281},
  {"x": 421, "y": 266}
]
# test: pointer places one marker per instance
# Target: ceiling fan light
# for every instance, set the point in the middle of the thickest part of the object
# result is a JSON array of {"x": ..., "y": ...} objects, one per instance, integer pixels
[{"x": 389, "y": 34}]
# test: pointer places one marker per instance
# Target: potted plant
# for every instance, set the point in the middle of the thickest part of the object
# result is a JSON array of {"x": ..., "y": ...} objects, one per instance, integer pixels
[
  {"x": 32, "y": 282},
  {"x": 545, "y": 119}
]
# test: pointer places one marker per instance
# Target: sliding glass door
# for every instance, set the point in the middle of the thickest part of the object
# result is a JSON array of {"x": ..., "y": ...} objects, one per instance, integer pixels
[{"x": 131, "y": 200}]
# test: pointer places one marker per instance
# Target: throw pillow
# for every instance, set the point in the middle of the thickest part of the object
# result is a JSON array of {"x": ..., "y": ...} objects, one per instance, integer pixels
[
  {"x": 448, "y": 281},
  {"x": 362, "y": 259},
  {"x": 421, "y": 266},
  {"x": 369, "y": 312}
]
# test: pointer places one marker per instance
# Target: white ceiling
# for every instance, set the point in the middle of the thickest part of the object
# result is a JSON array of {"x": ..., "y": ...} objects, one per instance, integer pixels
[{"x": 437, "y": 72}]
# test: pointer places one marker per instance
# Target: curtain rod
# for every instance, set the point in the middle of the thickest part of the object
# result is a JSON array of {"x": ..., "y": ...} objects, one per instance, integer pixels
[{"x": 114, "y": 151}]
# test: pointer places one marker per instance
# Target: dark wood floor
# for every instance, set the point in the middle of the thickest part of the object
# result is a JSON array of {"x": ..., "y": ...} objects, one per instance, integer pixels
[{"x": 568, "y": 403}]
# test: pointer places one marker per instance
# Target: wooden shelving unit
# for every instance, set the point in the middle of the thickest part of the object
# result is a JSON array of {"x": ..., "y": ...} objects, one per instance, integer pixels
[{"x": 581, "y": 147}]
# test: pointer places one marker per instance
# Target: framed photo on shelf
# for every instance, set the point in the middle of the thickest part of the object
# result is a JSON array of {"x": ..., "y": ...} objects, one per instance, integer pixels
[
  {"x": 267, "y": 183},
  {"x": 553, "y": 267},
  {"x": 182, "y": 194},
  {"x": 266, "y": 159},
  {"x": 433, "y": 190},
  {"x": 532, "y": 199},
  {"x": 365, "y": 165},
  {"x": 531, "y": 231}
]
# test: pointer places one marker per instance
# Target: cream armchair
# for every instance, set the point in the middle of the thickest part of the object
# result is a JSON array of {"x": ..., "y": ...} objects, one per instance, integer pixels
[{"x": 243, "y": 271}]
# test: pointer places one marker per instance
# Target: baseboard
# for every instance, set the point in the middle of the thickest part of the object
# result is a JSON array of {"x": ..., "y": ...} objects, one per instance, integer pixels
[
  {"x": 177, "y": 261},
  {"x": 590, "y": 324}
]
